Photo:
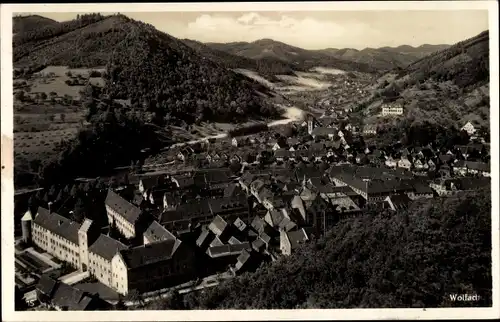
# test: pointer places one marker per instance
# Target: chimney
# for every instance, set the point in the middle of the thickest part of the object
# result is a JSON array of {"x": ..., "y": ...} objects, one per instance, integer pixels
[
  {"x": 50, "y": 207},
  {"x": 60, "y": 222}
]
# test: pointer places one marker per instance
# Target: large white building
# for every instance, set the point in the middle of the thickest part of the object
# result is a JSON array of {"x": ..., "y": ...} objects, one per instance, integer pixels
[
  {"x": 394, "y": 109},
  {"x": 163, "y": 261},
  {"x": 80, "y": 245}
]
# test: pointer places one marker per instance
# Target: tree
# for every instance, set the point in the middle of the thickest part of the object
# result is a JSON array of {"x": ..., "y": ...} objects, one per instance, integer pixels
[
  {"x": 20, "y": 95},
  {"x": 78, "y": 214},
  {"x": 366, "y": 261}
]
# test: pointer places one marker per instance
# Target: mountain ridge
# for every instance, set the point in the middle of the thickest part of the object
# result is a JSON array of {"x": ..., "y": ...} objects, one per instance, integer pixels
[
  {"x": 156, "y": 71},
  {"x": 384, "y": 58}
]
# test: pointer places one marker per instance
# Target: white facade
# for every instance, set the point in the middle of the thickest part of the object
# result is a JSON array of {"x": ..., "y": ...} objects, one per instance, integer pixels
[
  {"x": 119, "y": 274},
  {"x": 56, "y": 245},
  {"x": 469, "y": 128},
  {"x": 124, "y": 227},
  {"x": 392, "y": 110}
]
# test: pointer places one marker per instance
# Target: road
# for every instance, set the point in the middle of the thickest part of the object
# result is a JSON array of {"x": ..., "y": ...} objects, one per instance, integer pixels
[{"x": 292, "y": 114}]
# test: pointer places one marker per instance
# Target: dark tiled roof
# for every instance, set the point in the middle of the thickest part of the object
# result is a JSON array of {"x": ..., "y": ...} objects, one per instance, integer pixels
[
  {"x": 324, "y": 131},
  {"x": 106, "y": 247},
  {"x": 212, "y": 176},
  {"x": 275, "y": 217},
  {"x": 325, "y": 121},
  {"x": 184, "y": 182},
  {"x": 422, "y": 188},
  {"x": 258, "y": 244},
  {"x": 156, "y": 232},
  {"x": 469, "y": 183},
  {"x": 400, "y": 201},
  {"x": 71, "y": 298},
  {"x": 127, "y": 210},
  {"x": 151, "y": 181},
  {"x": 46, "y": 285},
  {"x": 286, "y": 224},
  {"x": 282, "y": 153},
  {"x": 230, "y": 190},
  {"x": 297, "y": 237},
  {"x": 58, "y": 224},
  {"x": 479, "y": 166},
  {"x": 150, "y": 253}
]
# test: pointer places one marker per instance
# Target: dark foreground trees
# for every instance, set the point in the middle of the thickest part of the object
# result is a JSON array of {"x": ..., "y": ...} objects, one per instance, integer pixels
[{"x": 413, "y": 258}]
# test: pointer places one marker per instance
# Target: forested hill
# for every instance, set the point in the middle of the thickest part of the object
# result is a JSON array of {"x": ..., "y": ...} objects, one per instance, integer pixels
[
  {"x": 157, "y": 72},
  {"x": 448, "y": 88},
  {"x": 412, "y": 258},
  {"x": 299, "y": 57},
  {"x": 29, "y": 23},
  {"x": 465, "y": 63},
  {"x": 267, "y": 67}
]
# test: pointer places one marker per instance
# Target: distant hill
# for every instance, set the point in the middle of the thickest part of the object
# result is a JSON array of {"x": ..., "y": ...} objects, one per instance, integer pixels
[
  {"x": 267, "y": 66},
  {"x": 30, "y": 23},
  {"x": 157, "y": 72},
  {"x": 301, "y": 58},
  {"x": 385, "y": 58}
]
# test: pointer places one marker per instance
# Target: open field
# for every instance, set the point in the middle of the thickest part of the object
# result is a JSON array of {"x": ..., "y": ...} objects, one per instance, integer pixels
[{"x": 48, "y": 110}]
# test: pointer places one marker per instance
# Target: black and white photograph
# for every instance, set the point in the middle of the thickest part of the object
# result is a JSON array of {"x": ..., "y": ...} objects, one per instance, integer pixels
[{"x": 251, "y": 157}]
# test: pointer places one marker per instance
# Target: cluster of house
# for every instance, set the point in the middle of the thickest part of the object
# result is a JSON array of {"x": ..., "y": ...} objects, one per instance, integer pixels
[{"x": 182, "y": 225}]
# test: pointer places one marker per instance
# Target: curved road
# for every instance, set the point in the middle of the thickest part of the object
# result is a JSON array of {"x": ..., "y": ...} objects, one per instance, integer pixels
[{"x": 292, "y": 114}]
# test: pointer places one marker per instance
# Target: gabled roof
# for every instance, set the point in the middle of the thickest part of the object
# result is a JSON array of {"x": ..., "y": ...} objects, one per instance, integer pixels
[
  {"x": 422, "y": 188},
  {"x": 156, "y": 232},
  {"x": 46, "y": 285},
  {"x": 57, "y": 224},
  {"x": 127, "y": 210},
  {"x": 399, "y": 201},
  {"x": 227, "y": 250},
  {"x": 106, "y": 247},
  {"x": 240, "y": 224},
  {"x": 63, "y": 295},
  {"x": 216, "y": 242},
  {"x": 324, "y": 131},
  {"x": 275, "y": 217},
  {"x": 71, "y": 298},
  {"x": 204, "y": 236},
  {"x": 479, "y": 166},
  {"x": 218, "y": 225},
  {"x": 233, "y": 240},
  {"x": 27, "y": 216},
  {"x": 150, "y": 253}
]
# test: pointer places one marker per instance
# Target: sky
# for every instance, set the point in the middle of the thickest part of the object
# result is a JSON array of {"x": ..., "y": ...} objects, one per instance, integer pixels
[{"x": 317, "y": 29}]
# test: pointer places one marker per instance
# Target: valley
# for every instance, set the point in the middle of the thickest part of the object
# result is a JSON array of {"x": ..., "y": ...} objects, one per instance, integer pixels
[{"x": 156, "y": 172}]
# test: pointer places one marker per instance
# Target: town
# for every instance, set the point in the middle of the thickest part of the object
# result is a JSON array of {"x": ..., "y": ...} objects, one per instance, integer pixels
[
  {"x": 171, "y": 160},
  {"x": 228, "y": 206}
]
